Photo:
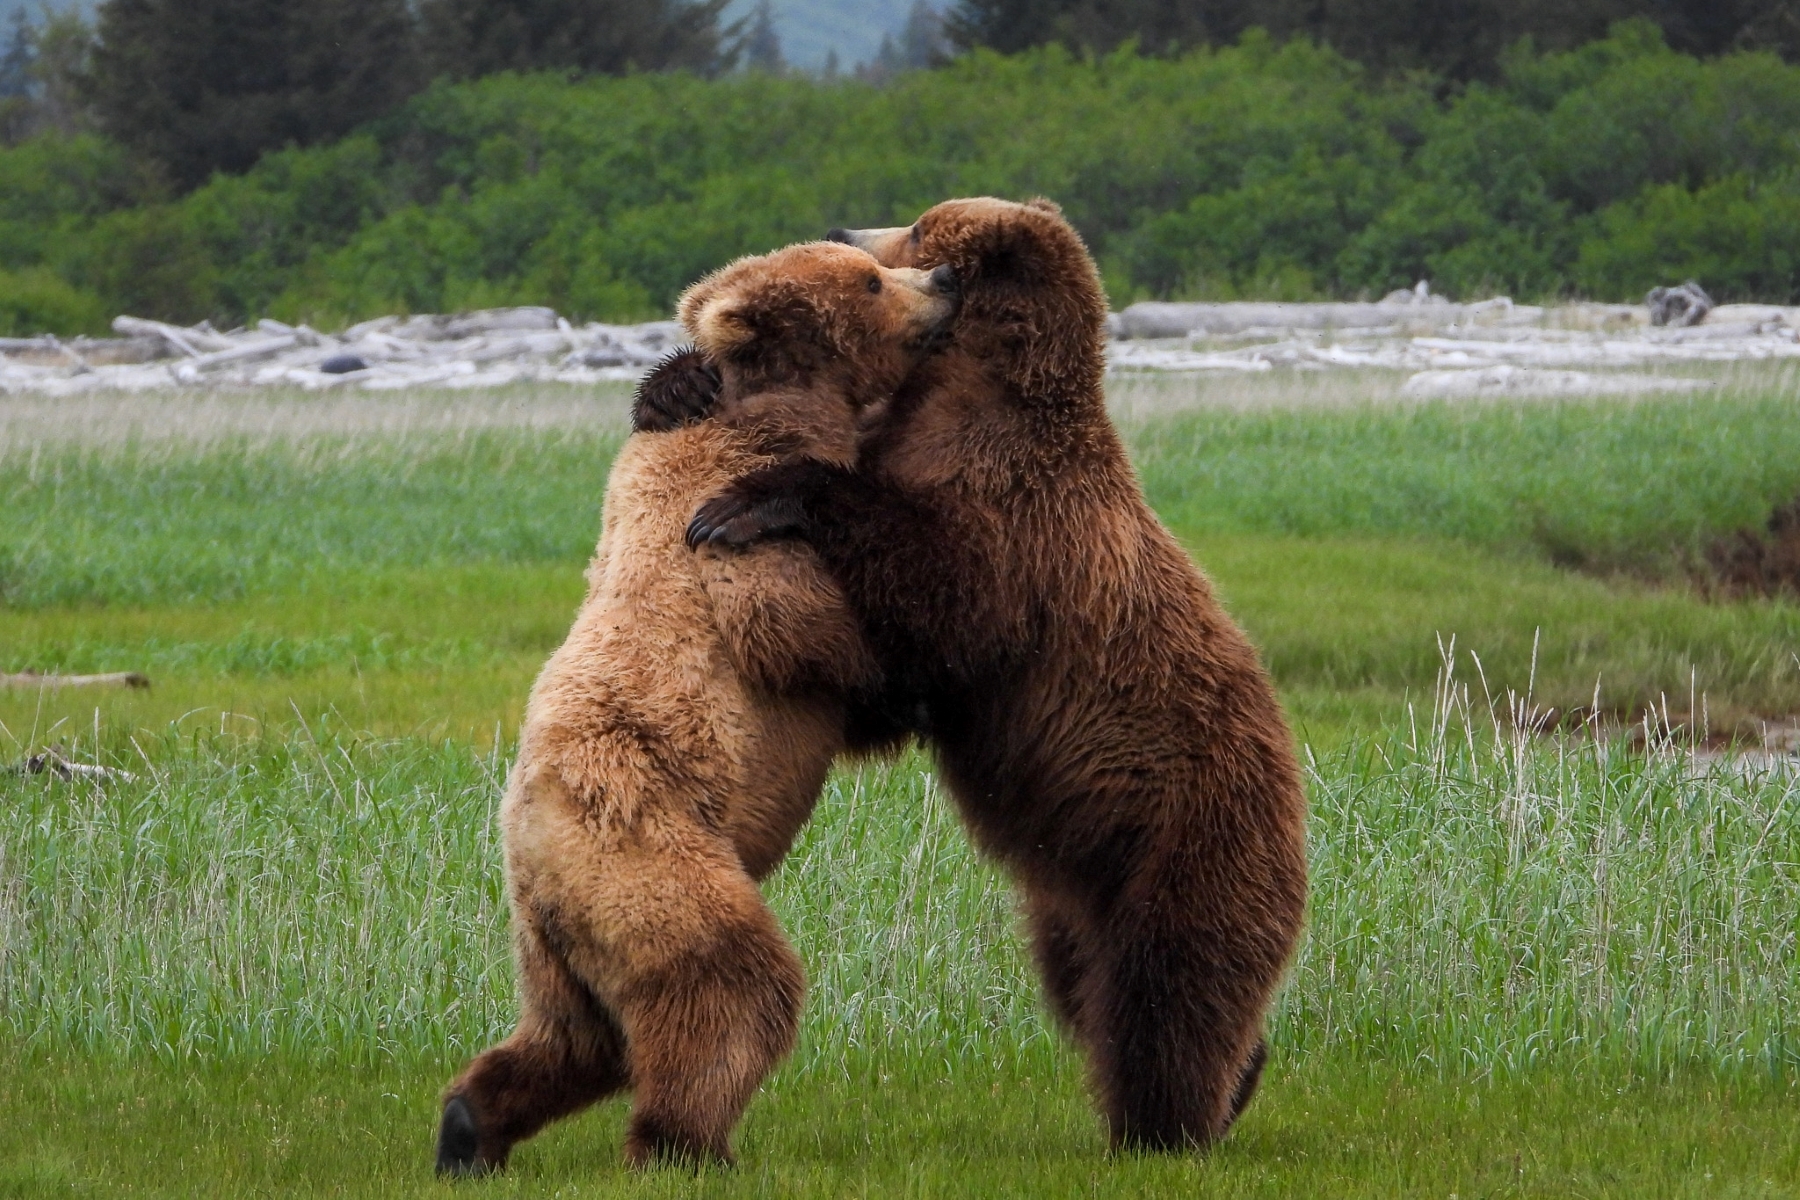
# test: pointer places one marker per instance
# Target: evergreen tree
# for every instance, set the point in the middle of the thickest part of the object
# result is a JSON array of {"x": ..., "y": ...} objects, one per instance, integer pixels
[
  {"x": 762, "y": 45},
  {"x": 1713, "y": 26},
  {"x": 198, "y": 86},
  {"x": 1464, "y": 39},
  {"x": 922, "y": 43},
  {"x": 1157, "y": 25},
  {"x": 62, "y": 73},
  {"x": 18, "y": 56},
  {"x": 464, "y": 39}
]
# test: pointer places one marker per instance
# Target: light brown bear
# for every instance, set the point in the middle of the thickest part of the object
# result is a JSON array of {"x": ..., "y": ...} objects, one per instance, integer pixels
[
  {"x": 1106, "y": 730},
  {"x": 675, "y": 744}
]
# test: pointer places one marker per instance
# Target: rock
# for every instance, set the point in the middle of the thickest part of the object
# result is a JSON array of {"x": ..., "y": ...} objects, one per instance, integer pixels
[{"x": 343, "y": 364}]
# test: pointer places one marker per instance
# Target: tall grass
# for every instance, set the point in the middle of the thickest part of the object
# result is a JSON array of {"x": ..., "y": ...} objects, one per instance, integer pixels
[
  {"x": 1483, "y": 903},
  {"x": 1489, "y": 901}
]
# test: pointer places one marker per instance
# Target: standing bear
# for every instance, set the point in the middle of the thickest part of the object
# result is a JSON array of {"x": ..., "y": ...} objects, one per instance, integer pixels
[
  {"x": 675, "y": 744},
  {"x": 1105, "y": 729}
]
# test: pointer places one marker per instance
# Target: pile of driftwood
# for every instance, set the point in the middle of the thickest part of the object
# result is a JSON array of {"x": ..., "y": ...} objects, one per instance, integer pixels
[
  {"x": 479, "y": 349},
  {"x": 1494, "y": 346},
  {"x": 1446, "y": 348}
]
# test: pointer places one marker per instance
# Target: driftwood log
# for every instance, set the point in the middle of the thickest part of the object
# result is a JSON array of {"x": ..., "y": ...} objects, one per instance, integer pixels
[
  {"x": 1436, "y": 342},
  {"x": 52, "y": 762},
  {"x": 36, "y": 679}
]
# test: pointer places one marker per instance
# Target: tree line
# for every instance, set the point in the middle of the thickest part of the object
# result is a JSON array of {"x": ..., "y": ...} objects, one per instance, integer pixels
[
  {"x": 1458, "y": 40},
  {"x": 1260, "y": 170},
  {"x": 194, "y": 87}
]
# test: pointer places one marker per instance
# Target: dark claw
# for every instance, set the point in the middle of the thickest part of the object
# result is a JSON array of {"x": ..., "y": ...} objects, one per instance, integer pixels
[
  {"x": 698, "y": 531},
  {"x": 731, "y": 519}
]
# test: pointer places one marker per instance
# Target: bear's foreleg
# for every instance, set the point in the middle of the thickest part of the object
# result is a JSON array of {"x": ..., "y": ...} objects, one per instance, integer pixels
[
  {"x": 566, "y": 1053},
  {"x": 705, "y": 1029}
]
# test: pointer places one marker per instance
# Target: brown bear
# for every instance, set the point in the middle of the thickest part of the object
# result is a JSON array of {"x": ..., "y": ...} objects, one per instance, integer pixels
[
  {"x": 677, "y": 741},
  {"x": 1106, "y": 730}
]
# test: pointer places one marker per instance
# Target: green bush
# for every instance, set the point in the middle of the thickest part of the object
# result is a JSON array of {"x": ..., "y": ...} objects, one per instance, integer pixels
[
  {"x": 1740, "y": 236},
  {"x": 35, "y": 300},
  {"x": 1255, "y": 170}
]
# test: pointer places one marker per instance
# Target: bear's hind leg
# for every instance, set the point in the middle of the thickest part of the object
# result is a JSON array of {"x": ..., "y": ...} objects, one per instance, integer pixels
[
  {"x": 566, "y": 1053},
  {"x": 1061, "y": 957},
  {"x": 1176, "y": 1032},
  {"x": 1248, "y": 1079},
  {"x": 706, "y": 1026}
]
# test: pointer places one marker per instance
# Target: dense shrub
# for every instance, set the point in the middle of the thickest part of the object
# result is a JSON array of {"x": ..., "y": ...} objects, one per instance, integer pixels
[
  {"x": 35, "y": 300},
  {"x": 1257, "y": 170}
]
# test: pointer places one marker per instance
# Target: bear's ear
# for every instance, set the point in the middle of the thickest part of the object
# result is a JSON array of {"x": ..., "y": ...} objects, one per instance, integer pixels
[
  {"x": 1045, "y": 204},
  {"x": 702, "y": 292},
  {"x": 723, "y": 323}
]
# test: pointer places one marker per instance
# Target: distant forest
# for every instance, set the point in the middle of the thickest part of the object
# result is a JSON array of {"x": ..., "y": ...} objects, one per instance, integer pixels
[{"x": 231, "y": 159}]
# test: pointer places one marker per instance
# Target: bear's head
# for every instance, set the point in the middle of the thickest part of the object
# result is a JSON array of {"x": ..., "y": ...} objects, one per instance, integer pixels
[
  {"x": 819, "y": 314},
  {"x": 1033, "y": 312}
]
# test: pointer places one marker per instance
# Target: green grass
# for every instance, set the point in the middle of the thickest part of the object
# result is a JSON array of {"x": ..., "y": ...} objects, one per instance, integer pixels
[
  {"x": 1621, "y": 485},
  {"x": 1016, "y": 1128},
  {"x": 257, "y": 575},
  {"x": 265, "y": 956},
  {"x": 1533, "y": 968}
]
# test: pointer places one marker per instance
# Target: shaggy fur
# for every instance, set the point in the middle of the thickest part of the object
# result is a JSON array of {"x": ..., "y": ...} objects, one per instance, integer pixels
[
  {"x": 1107, "y": 732},
  {"x": 677, "y": 741}
]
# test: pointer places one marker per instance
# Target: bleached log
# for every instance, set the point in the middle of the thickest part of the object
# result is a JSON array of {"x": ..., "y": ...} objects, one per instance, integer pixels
[
  {"x": 249, "y": 352},
  {"x": 1162, "y": 319},
  {"x": 50, "y": 762},
  {"x": 501, "y": 320},
  {"x": 35, "y": 679},
  {"x": 191, "y": 342}
]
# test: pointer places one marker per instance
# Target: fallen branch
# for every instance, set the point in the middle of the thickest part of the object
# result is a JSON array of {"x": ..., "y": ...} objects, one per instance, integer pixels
[
  {"x": 50, "y": 762},
  {"x": 36, "y": 679}
]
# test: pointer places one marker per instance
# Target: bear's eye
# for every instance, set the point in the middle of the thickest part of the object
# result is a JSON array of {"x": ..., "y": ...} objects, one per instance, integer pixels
[
  {"x": 915, "y": 235},
  {"x": 874, "y": 283}
]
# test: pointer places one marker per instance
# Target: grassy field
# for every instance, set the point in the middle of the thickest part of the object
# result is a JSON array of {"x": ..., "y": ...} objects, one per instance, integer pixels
[{"x": 1534, "y": 967}]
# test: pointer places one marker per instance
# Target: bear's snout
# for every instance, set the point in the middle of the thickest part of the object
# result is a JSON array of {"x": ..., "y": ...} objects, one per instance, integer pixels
[{"x": 944, "y": 282}]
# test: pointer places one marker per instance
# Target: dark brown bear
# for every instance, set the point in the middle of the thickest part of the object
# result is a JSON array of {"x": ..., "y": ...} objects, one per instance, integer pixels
[{"x": 1106, "y": 730}]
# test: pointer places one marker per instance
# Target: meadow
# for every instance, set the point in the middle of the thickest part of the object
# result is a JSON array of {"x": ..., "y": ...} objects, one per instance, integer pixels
[{"x": 1536, "y": 964}]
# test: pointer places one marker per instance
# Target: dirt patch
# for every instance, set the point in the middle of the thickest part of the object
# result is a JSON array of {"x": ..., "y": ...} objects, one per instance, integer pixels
[
  {"x": 1732, "y": 734},
  {"x": 1765, "y": 562}
]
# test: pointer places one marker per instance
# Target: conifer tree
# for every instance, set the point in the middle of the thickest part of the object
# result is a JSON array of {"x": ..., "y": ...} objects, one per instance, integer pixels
[
  {"x": 17, "y": 56},
  {"x": 465, "y": 39},
  {"x": 198, "y": 86},
  {"x": 1464, "y": 40},
  {"x": 762, "y": 45}
]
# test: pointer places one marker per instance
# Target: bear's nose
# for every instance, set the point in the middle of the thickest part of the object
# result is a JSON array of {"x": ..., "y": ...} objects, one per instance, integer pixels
[
  {"x": 840, "y": 234},
  {"x": 944, "y": 281}
]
